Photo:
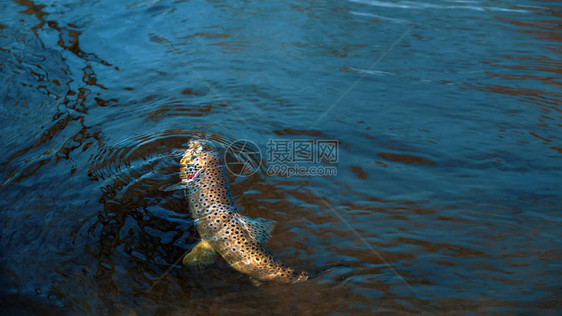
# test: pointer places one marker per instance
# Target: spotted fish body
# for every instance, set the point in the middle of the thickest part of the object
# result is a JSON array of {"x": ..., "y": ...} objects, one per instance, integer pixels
[{"x": 238, "y": 239}]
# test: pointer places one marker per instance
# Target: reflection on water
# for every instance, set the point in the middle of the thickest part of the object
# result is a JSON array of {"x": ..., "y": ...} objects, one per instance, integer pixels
[{"x": 447, "y": 193}]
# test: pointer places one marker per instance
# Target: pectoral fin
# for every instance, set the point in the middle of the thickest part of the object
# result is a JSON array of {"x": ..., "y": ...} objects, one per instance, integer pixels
[
  {"x": 174, "y": 187},
  {"x": 259, "y": 228},
  {"x": 256, "y": 282},
  {"x": 202, "y": 253}
]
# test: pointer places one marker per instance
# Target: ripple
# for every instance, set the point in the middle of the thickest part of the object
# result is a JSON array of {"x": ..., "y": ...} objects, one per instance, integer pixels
[
  {"x": 147, "y": 155},
  {"x": 380, "y": 17},
  {"x": 407, "y": 159},
  {"x": 422, "y": 5}
]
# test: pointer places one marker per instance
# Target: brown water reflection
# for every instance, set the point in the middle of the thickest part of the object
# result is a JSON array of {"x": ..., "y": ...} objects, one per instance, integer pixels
[
  {"x": 525, "y": 69},
  {"x": 136, "y": 217},
  {"x": 407, "y": 159}
]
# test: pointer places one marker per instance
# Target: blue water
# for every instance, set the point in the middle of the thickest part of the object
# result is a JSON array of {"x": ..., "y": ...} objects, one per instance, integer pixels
[{"x": 447, "y": 197}]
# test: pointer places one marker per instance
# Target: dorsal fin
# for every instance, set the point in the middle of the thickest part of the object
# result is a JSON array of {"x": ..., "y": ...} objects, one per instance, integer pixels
[{"x": 259, "y": 228}]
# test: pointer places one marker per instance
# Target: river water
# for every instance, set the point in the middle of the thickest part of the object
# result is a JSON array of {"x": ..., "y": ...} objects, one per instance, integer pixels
[{"x": 443, "y": 119}]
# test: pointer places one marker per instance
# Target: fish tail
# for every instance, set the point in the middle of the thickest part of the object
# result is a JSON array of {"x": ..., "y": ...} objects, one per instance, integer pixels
[{"x": 326, "y": 269}]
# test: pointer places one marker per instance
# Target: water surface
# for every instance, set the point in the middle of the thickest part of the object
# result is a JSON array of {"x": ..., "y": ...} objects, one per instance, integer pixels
[{"x": 447, "y": 113}]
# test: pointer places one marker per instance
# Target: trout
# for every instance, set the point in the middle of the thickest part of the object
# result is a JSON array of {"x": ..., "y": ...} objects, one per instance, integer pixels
[{"x": 238, "y": 239}]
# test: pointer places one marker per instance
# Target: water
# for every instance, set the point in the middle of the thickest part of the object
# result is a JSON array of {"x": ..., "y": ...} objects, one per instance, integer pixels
[{"x": 447, "y": 193}]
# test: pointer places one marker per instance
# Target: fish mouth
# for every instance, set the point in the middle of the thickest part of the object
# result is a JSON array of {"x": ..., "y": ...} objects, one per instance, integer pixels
[
  {"x": 194, "y": 143},
  {"x": 197, "y": 146},
  {"x": 196, "y": 158},
  {"x": 194, "y": 148}
]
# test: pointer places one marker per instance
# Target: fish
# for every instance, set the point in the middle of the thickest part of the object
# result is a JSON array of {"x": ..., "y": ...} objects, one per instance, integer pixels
[{"x": 238, "y": 239}]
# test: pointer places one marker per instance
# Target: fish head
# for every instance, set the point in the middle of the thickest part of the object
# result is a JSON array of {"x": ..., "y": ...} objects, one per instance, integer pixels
[{"x": 199, "y": 155}]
